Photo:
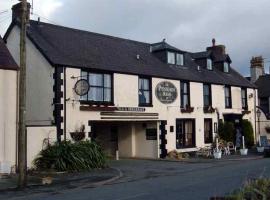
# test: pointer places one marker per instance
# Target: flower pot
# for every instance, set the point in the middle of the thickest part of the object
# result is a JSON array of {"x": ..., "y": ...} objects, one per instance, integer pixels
[
  {"x": 217, "y": 155},
  {"x": 260, "y": 149},
  {"x": 243, "y": 152}
]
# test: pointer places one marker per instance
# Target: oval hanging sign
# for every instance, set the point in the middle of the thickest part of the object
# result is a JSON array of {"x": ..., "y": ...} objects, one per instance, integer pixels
[
  {"x": 166, "y": 92},
  {"x": 81, "y": 87}
]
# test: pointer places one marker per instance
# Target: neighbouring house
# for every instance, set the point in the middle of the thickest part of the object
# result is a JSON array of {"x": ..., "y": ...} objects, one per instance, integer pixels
[
  {"x": 262, "y": 81},
  {"x": 8, "y": 109},
  {"x": 139, "y": 98}
]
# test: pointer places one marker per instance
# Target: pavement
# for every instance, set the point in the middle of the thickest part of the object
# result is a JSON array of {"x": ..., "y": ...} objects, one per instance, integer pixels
[
  {"x": 8, "y": 183},
  {"x": 154, "y": 179}
]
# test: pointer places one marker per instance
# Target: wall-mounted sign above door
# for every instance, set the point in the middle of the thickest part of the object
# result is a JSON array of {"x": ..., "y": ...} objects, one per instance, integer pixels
[{"x": 166, "y": 92}]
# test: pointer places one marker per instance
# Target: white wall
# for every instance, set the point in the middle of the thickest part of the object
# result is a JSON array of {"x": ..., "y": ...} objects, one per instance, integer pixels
[
  {"x": 126, "y": 94},
  {"x": 8, "y": 117},
  {"x": 36, "y": 141},
  {"x": 39, "y": 81}
]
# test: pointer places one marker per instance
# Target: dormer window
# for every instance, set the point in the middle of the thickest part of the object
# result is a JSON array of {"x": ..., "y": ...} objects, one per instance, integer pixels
[
  {"x": 171, "y": 58},
  {"x": 209, "y": 64},
  {"x": 175, "y": 58},
  {"x": 226, "y": 67}
]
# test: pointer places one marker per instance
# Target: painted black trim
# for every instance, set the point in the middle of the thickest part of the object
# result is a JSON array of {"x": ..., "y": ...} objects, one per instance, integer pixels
[
  {"x": 181, "y": 94},
  {"x": 193, "y": 132},
  {"x": 65, "y": 106},
  {"x": 109, "y": 103},
  {"x": 211, "y": 130},
  {"x": 210, "y": 95},
  {"x": 230, "y": 95},
  {"x": 150, "y": 104},
  {"x": 163, "y": 141},
  {"x": 58, "y": 106}
]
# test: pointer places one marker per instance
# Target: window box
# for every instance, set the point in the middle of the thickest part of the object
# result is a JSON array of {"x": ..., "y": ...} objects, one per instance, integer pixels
[
  {"x": 246, "y": 112},
  {"x": 209, "y": 109},
  {"x": 77, "y": 136},
  {"x": 187, "y": 110}
]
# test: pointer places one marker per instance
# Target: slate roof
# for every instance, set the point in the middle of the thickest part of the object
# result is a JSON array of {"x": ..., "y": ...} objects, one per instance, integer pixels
[
  {"x": 202, "y": 54},
  {"x": 6, "y": 60},
  {"x": 263, "y": 84},
  {"x": 71, "y": 47},
  {"x": 163, "y": 46}
]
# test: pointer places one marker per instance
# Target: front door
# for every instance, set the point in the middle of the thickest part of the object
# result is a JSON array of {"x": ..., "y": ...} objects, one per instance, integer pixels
[{"x": 185, "y": 133}]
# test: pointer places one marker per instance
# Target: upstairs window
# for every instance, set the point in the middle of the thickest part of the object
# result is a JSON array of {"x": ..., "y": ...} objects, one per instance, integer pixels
[
  {"x": 179, "y": 59},
  {"x": 226, "y": 67},
  {"x": 209, "y": 64},
  {"x": 175, "y": 58},
  {"x": 207, "y": 100},
  {"x": 244, "y": 98},
  {"x": 171, "y": 58},
  {"x": 145, "y": 94},
  {"x": 228, "y": 97},
  {"x": 185, "y": 94},
  {"x": 100, "y": 90}
]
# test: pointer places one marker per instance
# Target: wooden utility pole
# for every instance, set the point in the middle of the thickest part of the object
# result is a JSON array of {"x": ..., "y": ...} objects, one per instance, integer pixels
[{"x": 22, "y": 100}]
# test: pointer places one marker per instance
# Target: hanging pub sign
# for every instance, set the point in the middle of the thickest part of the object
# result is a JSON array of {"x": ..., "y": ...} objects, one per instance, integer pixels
[
  {"x": 166, "y": 92},
  {"x": 81, "y": 87}
]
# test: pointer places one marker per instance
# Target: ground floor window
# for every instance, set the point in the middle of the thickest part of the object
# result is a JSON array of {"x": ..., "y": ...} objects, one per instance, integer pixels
[
  {"x": 185, "y": 133},
  {"x": 208, "y": 133}
]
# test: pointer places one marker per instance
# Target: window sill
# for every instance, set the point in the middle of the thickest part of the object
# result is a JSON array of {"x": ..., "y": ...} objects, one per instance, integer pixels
[
  {"x": 96, "y": 103},
  {"x": 187, "y": 110},
  {"x": 145, "y": 105},
  {"x": 209, "y": 109},
  {"x": 186, "y": 147}
]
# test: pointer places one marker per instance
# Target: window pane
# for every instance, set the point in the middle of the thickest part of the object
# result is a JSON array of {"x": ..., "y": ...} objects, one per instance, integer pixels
[
  {"x": 95, "y": 79},
  {"x": 146, "y": 94},
  {"x": 107, "y": 80},
  {"x": 107, "y": 95},
  {"x": 206, "y": 90},
  {"x": 206, "y": 101},
  {"x": 184, "y": 87},
  {"x": 188, "y": 133},
  {"x": 226, "y": 67},
  {"x": 145, "y": 84},
  {"x": 227, "y": 92},
  {"x": 84, "y": 75},
  {"x": 209, "y": 64},
  {"x": 171, "y": 58},
  {"x": 140, "y": 83},
  {"x": 185, "y": 100},
  {"x": 179, "y": 59},
  {"x": 95, "y": 94}
]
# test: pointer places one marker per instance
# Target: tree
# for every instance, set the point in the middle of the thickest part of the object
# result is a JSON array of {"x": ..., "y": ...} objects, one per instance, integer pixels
[{"x": 248, "y": 133}]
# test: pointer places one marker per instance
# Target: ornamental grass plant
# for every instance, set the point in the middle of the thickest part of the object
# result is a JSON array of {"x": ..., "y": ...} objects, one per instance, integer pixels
[{"x": 70, "y": 156}]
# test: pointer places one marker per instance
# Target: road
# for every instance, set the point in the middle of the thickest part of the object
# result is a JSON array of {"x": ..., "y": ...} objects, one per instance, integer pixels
[{"x": 147, "y": 180}]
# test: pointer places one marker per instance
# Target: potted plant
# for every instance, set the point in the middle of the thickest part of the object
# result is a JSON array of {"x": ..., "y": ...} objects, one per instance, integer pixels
[
  {"x": 209, "y": 109},
  {"x": 260, "y": 149},
  {"x": 243, "y": 150},
  {"x": 187, "y": 109},
  {"x": 217, "y": 152},
  {"x": 78, "y": 134}
]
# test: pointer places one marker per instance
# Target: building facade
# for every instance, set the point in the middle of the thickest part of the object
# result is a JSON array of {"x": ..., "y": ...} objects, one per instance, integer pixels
[
  {"x": 139, "y": 98},
  {"x": 8, "y": 109},
  {"x": 262, "y": 80}
]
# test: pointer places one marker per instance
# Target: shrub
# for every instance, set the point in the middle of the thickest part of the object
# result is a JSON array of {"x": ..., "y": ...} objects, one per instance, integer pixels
[
  {"x": 258, "y": 189},
  {"x": 226, "y": 131},
  {"x": 248, "y": 133},
  {"x": 68, "y": 156}
]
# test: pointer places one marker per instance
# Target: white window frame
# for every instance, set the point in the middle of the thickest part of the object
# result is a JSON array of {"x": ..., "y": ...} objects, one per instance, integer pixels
[{"x": 209, "y": 64}]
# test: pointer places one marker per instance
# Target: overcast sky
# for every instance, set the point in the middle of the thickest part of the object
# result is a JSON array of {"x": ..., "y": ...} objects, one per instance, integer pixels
[{"x": 241, "y": 25}]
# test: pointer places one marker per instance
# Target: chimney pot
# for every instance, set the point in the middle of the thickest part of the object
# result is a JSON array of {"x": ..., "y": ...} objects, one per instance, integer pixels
[{"x": 214, "y": 42}]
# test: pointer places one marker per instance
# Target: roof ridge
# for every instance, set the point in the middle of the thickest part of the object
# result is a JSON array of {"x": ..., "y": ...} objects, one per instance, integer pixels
[{"x": 90, "y": 32}]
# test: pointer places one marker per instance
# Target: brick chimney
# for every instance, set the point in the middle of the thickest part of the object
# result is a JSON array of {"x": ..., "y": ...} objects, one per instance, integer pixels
[
  {"x": 217, "y": 50},
  {"x": 17, "y": 12},
  {"x": 256, "y": 68}
]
